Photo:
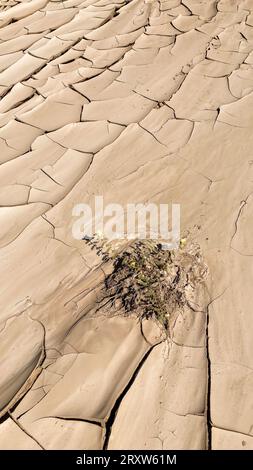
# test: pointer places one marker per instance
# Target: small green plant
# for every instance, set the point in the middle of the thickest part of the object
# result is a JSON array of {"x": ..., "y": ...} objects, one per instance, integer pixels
[{"x": 148, "y": 281}]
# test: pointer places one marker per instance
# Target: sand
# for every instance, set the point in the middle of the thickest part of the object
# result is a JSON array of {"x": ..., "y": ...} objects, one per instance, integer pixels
[{"x": 140, "y": 101}]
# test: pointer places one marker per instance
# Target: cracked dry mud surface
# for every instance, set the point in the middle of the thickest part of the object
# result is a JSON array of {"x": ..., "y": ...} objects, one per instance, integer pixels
[{"x": 146, "y": 100}]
